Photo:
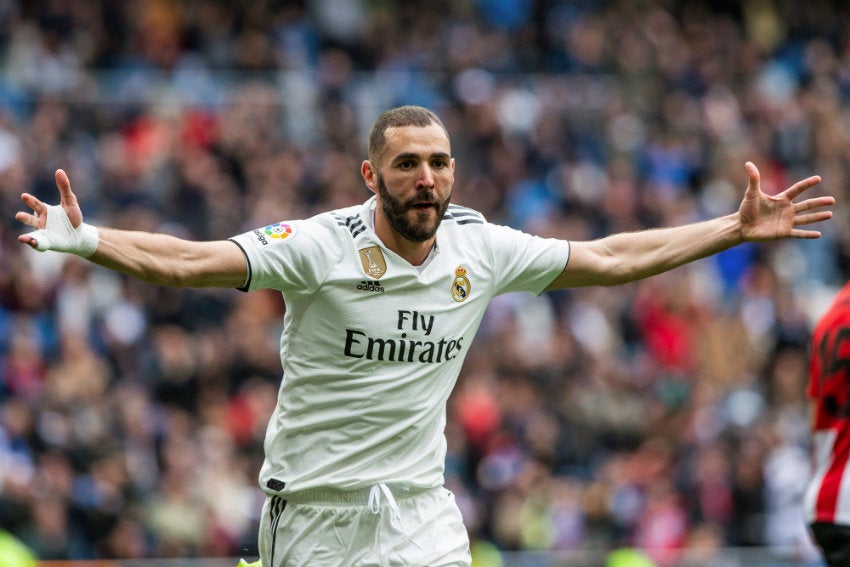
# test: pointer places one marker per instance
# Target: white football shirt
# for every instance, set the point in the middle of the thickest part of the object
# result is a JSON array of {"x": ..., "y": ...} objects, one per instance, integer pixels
[{"x": 372, "y": 346}]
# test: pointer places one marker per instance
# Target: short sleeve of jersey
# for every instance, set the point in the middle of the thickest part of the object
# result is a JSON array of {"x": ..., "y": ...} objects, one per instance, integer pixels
[
  {"x": 524, "y": 262},
  {"x": 293, "y": 256}
]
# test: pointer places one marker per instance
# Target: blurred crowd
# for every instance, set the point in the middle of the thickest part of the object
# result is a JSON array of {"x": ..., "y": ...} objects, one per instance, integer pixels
[{"x": 664, "y": 414}]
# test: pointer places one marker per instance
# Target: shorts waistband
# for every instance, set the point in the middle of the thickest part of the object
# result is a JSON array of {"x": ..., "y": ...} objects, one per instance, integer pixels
[{"x": 359, "y": 497}]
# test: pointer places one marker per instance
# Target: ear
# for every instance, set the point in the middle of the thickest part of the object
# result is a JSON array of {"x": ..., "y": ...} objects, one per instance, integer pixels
[{"x": 367, "y": 170}]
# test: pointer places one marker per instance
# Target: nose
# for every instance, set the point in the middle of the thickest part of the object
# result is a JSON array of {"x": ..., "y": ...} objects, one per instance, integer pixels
[{"x": 426, "y": 177}]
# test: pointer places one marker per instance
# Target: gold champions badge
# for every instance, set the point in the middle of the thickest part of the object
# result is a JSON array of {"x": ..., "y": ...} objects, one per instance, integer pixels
[
  {"x": 460, "y": 285},
  {"x": 373, "y": 262}
]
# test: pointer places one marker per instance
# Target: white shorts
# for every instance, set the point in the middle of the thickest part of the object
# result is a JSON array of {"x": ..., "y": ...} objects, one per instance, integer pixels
[{"x": 381, "y": 527}]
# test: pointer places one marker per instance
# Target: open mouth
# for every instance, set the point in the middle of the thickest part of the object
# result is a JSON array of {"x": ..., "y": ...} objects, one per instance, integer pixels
[{"x": 422, "y": 206}]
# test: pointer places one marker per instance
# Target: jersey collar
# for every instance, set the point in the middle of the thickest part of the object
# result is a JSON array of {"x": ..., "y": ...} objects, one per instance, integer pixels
[{"x": 367, "y": 215}]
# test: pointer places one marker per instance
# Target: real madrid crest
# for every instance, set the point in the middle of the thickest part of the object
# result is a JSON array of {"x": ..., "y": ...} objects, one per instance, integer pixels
[
  {"x": 373, "y": 262},
  {"x": 460, "y": 285}
]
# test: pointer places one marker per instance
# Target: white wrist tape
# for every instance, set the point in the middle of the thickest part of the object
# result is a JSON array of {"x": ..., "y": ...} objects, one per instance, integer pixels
[{"x": 59, "y": 235}]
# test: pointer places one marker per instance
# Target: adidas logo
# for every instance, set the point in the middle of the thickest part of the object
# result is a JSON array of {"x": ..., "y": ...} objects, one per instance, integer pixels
[{"x": 371, "y": 286}]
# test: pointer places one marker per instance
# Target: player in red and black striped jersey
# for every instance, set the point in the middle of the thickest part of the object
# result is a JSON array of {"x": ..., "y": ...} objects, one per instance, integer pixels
[{"x": 827, "y": 499}]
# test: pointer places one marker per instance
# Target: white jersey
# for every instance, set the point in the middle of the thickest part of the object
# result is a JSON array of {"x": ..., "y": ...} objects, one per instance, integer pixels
[{"x": 372, "y": 346}]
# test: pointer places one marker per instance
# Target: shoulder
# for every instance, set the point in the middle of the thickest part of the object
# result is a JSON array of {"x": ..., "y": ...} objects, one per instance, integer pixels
[
  {"x": 457, "y": 215},
  {"x": 336, "y": 224},
  {"x": 347, "y": 220}
]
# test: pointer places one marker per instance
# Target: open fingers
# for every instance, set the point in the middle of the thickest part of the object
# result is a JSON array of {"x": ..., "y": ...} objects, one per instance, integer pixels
[
  {"x": 812, "y": 217},
  {"x": 33, "y": 203},
  {"x": 792, "y": 192},
  {"x": 29, "y": 240},
  {"x": 64, "y": 186},
  {"x": 795, "y": 190},
  {"x": 804, "y": 234},
  {"x": 39, "y": 209},
  {"x": 755, "y": 177},
  {"x": 814, "y": 203},
  {"x": 27, "y": 219}
]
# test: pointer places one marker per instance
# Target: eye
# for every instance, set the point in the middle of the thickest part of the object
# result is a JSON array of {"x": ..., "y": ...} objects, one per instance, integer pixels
[
  {"x": 406, "y": 165},
  {"x": 440, "y": 163}
]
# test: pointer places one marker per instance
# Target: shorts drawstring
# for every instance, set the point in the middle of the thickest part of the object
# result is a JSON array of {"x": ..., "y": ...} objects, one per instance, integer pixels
[{"x": 375, "y": 504}]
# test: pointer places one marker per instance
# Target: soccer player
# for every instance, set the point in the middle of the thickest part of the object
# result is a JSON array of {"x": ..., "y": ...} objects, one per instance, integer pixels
[
  {"x": 383, "y": 300},
  {"x": 827, "y": 501}
]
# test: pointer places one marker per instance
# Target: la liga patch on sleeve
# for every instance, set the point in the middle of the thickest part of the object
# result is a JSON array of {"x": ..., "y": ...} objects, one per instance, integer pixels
[{"x": 279, "y": 231}]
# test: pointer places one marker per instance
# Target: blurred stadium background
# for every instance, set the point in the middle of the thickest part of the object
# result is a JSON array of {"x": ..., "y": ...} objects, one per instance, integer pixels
[{"x": 667, "y": 416}]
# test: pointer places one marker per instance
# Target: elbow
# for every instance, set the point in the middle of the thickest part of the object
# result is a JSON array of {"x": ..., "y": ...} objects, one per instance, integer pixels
[
  {"x": 624, "y": 273},
  {"x": 612, "y": 268},
  {"x": 181, "y": 280},
  {"x": 619, "y": 273}
]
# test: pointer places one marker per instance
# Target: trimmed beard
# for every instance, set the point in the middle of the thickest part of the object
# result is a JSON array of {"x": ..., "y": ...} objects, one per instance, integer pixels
[{"x": 396, "y": 213}]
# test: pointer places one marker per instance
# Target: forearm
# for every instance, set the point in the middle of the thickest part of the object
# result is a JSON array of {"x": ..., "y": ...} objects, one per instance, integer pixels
[
  {"x": 626, "y": 257},
  {"x": 166, "y": 260},
  {"x": 645, "y": 254}
]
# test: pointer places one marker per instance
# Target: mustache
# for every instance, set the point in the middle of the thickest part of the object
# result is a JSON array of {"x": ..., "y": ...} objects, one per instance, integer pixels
[{"x": 428, "y": 199}]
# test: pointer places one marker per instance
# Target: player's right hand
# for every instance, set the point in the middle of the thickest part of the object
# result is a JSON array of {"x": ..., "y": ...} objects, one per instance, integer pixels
[{"x": 58, "y": 227}]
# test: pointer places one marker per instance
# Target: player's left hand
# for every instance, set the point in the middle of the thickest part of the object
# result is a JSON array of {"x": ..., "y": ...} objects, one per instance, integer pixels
[{"x": 766, "y": 217}]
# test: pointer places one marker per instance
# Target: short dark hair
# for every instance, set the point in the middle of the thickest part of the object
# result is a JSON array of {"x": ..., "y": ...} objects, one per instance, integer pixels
[{"x": 396, "y": 117}]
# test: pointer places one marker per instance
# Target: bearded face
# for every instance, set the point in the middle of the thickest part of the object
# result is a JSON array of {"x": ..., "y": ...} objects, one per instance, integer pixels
[
  {"x": 412, "y": 175},
  {"x": 416, "y": 218}
]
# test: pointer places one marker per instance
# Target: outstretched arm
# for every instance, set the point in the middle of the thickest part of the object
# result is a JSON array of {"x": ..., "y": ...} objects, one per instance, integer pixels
[
  {"x": 626, "y": 257},
  {"x": 155, "y": 258}
]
